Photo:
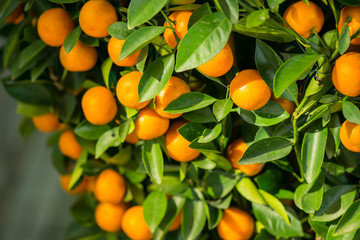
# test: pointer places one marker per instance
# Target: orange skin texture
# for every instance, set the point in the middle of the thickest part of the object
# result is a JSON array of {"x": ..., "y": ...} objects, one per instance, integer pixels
[
  {"x": 234, "y": 153},
  {"x": 302, "y": 18},
  {"x": 350, "y": 136},
  {"x": 249, "y": 91},
  {"x": 127, "y": 90},
  {"x": 110, "y": 187},
  {"x": 17, "y": 15},
  {"x": 235, "y": 224},
  {"x": 99, "y": 105},
  {"x": 177, "y": 146},
  {"x": 114, "y": 49},
  {"x": 181, "y": 19},
  {"x": 80, "y": 59},
  {"x": 150, "y": 125},
  {"x": 69, "y": 146},
  {"x": 65, "y": 181},
  {"x": 95, "y": 17},
  {"x": 54, "y": 25},
  {"x": 176, "y": 223},
  {"x": 132, "y": 138},
  {"x": 287, "y": 105},
  {"x": 172, "y": 90},
  {"x": 220, "y": 64},
  {"x": 108, "y": 216},
  {"x": 354, "y": 24},
  {"x": 346, "y": 74},
  {"x": 134, "y": 225},
  {"x": 46, "y": 123}
]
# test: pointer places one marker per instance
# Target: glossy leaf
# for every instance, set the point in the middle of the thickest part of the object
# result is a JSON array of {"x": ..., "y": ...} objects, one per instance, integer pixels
[
  {"x": 275, "y": 204},
  {"x": 350, "y": 221},
  {"x": 332, "y": 236},
  {"x": 200, "y": 12},
  {"x": 193, "y": 219},
  {"x": 202, "y": 115},
  {"x": 222, "y": 108},
  {"x": 351, "y": 112},
  {"x": 71, "y": 39},
  {"x": 153, "y": 160},
  {"x": 219, "y": 160},
  {"x": 219, "y": 183},
  {"x": 105, "y": 70},
  {"x": 141, "y": 11},
  {"x": 154, "y": 209},
  {"x": 119, "y": 30},
  {"x": 257, "y": 18},
  {"x": 108, "y": 139},
  {"x": 210, "y": 134},
  {"x": 344, "y": 39},
  {"x": 230, "y": 8},
  {"x": 78, "y": 170},
  {"x": 188, "y": 102},
  {"x": 249, "y": 191}
]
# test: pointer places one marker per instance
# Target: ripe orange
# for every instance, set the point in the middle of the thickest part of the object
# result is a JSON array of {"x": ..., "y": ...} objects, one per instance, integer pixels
[
  {"x": 132, "y": 138},
  {"x": 54, "y": 25},
  {"x": 114, "y": 50},
  {"x": 235, "y": 224},
  {"x": 96, "y": 16},
  {"x": 134, "y": 225},
  {"x": 150, "y": 125},
  {"x": 127, "y": 90},
  {"x": 234, "y": 153},
  {"x": 108, "y": 216},
  {"x": 354, "y": 24},
  {"x": 346, "y": 74},
  {"x": 17, "y": 15},
  {"x": 172, "y": 90},
  {"x": 220, "y": 64},
  {"x": 249, "y": 91},
  {"x": 176, "y": 223},
  {"x": 69, "y": 146},
  {"x": 350, "y": 136},
  {"x": 110, "y": 187},
  {"x": 177, "y": 146},
  {"x": 65, "y": 181},
  {"x": 303, "y": 18},
  {"x": 287, "y": 105},
  {"x": 181, "y": 19},
  {"x": 80, "y": 59},
  {"x": 99, "y": 105},
  {"x": 46, "y": 123}
]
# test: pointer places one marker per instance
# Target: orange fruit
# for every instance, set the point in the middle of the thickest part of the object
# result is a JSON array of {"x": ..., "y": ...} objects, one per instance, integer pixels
[
  {"x": 287, "y": 105},
  {"x": 134, "y": 225},
  {"x": 80, "y": 59},
  {"x": 127, "y": 90},
  {"x": 108, "y": 216},
  {"x": 69, "y": 146},
  {"x": 218, "y": 65},
  {"x": 177, "y": 146},
  {"x": 65, "y": 181},
  {"x": 17, "y": 15},
  {"x": 181, "y": 19},
  {"x": 172, "y": 90},
  {"x": 114, "y": 49},
  {"x": 234, "y": 153},
  {"x": 110, "y": 187},
  {"x": 96, "y": 16},
  {"x": 303, "y": 18},
  {"x": 235, "y": 224},
  {"x": 354, "y": 24},
  {"x": 249, "y": 91},
  {"x": 150, "y": 125},
  {"x": 346, "y": 74},
  {"x": 350, "y": 136},
  {"x": 132, "y": 138},
  {"x": 176, "y": 223},
  {"x": 46, "y": 123},
  {"x": 54, "y": 25},
  {"x": 99, "y": 105}
]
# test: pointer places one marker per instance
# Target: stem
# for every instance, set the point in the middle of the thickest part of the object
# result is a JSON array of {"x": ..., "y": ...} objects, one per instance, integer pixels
[
  {"x": 297, "y": 147},
  {"x": 320, "y": 39}
]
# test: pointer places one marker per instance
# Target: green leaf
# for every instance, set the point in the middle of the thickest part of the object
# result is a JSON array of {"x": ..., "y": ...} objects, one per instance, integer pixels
[
  {"x": 11, "y": 43},
  {"x": 153, "y": 160},
  {"x": 204, "y": 40},
  {"x": 248, "y": 190},
  {"x": 313, "y": 151},
  {"x": 349, "y": 236},
  {"x": 351, "y": 112},
  {"x": 257, "y": 18},
  {"x": 210, "y": 134},
  {"x": 350, "y": 2},
  {"x": 200, "y": 12},
  {"x": 266, "y": 150},
  {"x": 267, "y": 63},
  {"x": 204, "y": 164},
  {"x": 29, "y": 110},
  {"x": 30, "y": 52},
  {"x": 71, "y": 39},
  {"x": 65, "y": 106},
  {"x": 154, "y": 207},
  {"x": 222, "y": 108},
  {"x": 139, "y": 39},
  {"x": 191, "y": 131},
  {"x": 275, "y": 204},
  {"x": 89, "y": 131},
  {"x": 78, "y": 170},
  {"x": 141, "y": 11},
  {"x": 213, "y": 216},
  {"x": 344, "y": 39},
  {"x": 292, "y": 70},
  {"x": 155, "y": 77},
  {"x": 350, "y": 221},
  {"x": 188, "y": 102},
  {"x": 119, "y": 30},
  {"x": 219, "y": 160},
  {"x": 230, "y": 8},
  {"x": 124, "y": 128},
  {"x": 64, "y": 1},
  {"x": 105, "y": 70},
  {"x": 140, "y": 64},
  {"x": 274, "y": 223},
  {"x": 193, "y": 219},
  {"x": 108, "y": 139},
  {"x": 270, "y": 114},
  {"x": 219, "y": 183},
  {"x": 270, "y": 181},
  {"x": 335, "y": 202},
  {"x": 39, "y": 69},
  {"x": 202, "y": 115}
]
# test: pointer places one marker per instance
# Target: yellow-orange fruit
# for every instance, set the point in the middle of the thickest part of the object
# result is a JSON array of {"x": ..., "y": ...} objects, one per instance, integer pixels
[
  {"x": 65, "y": 181},
  {"x": 181, "y": 19},
  {"x": 110, "y": 187},
  {"x": 134, "y": 225},
  {"x": 350, "y": 136},
  {"x": 150, "y": 125},
  {"x": 108, "y": 216},
  {"x": 69, "y": 146},
  {"x": 46, "y": 123},
  {"x": 354, "y": 24},
  {"x": 114, "y": 50}
]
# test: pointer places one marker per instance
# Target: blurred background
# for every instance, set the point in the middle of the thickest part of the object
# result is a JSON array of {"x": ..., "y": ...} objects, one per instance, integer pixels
[{"x": 32, "y": 204}]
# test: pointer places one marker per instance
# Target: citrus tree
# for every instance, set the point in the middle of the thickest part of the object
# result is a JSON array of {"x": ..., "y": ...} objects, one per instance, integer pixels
[{"x": 193, "y": 119}]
